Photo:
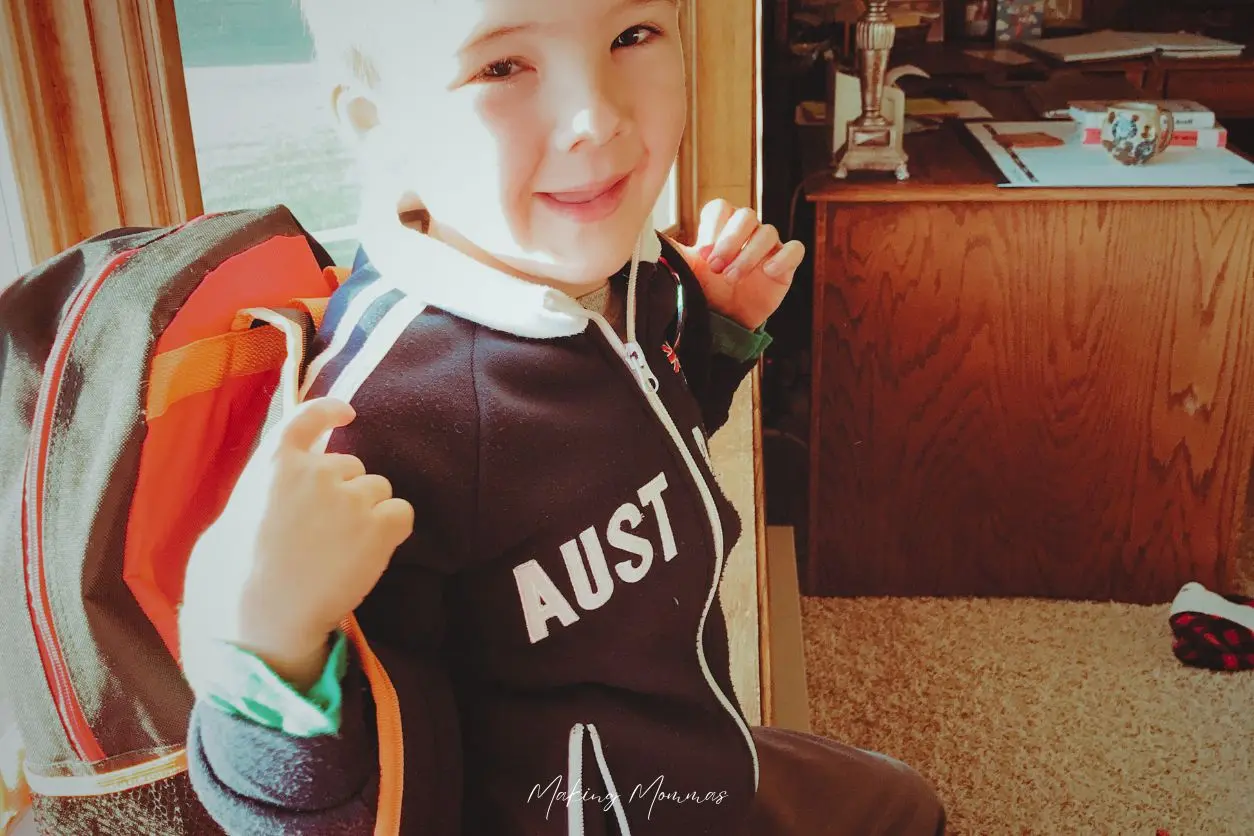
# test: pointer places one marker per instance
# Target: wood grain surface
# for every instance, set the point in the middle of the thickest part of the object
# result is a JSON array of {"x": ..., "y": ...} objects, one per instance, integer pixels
[
  {"x": 1048, "y": 399},
  {"x": 948, "y": 165},
  {"x": 96, "y": 111}
]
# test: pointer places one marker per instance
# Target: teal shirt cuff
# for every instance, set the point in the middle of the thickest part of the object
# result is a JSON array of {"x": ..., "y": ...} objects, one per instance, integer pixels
[
  {"x": 736, "y": 341},
  {"x": 240, "y": 683}
]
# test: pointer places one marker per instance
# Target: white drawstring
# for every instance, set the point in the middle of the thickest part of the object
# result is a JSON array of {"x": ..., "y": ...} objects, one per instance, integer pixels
[
  {"x": 574, "y": 781},
  {"x": 631, "y": 285},
  {"x": 616, "y": 801}
]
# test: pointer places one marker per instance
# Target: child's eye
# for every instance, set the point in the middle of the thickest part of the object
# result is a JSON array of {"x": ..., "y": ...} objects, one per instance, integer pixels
[
  {"x": 499, "y": 70},
  {"x": 636, "y": 36}
]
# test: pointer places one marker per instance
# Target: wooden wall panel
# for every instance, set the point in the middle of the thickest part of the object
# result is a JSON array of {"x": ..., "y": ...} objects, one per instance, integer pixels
[
  {"x": 97, "y": 117},
  {"x": 725, "y": 100},
  {"x": 1032, "y": 399}
]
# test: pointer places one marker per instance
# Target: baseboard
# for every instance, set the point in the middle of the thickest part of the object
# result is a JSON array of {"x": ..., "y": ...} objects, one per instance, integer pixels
[{"x": 789, "y": 696}]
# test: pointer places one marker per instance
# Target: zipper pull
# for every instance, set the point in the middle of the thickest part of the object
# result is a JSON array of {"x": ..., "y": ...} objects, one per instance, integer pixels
[{"x": 635, "y": 357}]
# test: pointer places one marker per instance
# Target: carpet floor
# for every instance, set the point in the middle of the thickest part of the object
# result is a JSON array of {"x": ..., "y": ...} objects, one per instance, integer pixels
[{"x": 1038, "y": 717}]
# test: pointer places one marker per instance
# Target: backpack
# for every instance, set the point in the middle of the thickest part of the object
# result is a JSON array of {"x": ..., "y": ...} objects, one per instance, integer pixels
[{"x": 138, "y": 370}]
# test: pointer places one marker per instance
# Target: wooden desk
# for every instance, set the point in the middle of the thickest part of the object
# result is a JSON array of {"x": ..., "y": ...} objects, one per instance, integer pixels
[{"x": 1027, "y": 391}]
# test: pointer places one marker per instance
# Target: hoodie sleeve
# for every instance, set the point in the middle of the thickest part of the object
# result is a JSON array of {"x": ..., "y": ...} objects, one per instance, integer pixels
[
  {"x": 259, "y": 780},
  {"x": 240, "y": 683},
  {"x": 278, "y": 762},
  {"x": 716, "y": 353}
]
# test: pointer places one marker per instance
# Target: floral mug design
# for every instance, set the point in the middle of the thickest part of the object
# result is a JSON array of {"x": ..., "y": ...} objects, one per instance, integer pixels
[{"x": 1136, "y": 132}]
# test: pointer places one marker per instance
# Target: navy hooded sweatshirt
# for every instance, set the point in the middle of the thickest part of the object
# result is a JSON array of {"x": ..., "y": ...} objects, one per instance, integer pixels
[{"x": 552, "y": 627}]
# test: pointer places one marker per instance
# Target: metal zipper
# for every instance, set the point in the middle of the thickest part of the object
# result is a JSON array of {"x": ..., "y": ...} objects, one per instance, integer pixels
[
  {"x": 634, "y": 357},
  {"x": 77, "y": 730}
]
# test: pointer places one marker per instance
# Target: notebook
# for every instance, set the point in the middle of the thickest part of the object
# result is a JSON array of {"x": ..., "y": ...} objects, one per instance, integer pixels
[{"x": 1108, "y": 44}]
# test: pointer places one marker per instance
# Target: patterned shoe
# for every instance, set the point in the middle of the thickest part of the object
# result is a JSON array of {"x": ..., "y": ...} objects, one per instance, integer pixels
[{"x": 1213, "y": 631}]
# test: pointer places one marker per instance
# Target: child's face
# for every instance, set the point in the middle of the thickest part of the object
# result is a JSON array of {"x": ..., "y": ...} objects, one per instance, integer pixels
[{"x": 539, "y": 132}]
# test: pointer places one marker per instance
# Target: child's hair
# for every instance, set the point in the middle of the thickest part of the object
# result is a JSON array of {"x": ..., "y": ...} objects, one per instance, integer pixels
[{"x": 347, "y": 35}]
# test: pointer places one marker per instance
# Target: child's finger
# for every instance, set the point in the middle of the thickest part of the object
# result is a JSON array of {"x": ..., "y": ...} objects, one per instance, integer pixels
[
  {"x": 714, "y": 216},
  {"x": 732, "y": 239},
  {"x": 312, "y": 420},
  {"x": 343, "y": 466},
  {"x": 785, "y": 262},
  {"x": 396, "y": 521},
  {"x": 373, "y": 488},
  {"x": 762, "y": 245}
]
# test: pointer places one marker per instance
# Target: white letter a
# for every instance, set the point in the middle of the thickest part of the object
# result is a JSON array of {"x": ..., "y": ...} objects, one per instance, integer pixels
[{"x": 541, "y": 600}]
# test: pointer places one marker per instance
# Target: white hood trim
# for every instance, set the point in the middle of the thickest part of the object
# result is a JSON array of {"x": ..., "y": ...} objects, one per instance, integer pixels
[{"x": 446, "y": 278}]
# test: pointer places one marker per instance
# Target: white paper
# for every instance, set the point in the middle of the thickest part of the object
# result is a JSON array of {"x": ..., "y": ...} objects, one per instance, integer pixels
[
  {"x": 1074, "y": 165},
  {"x": 970, "y": 110}
]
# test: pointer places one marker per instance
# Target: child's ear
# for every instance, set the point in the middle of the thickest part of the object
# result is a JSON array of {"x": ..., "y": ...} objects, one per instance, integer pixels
[{"x": 356, "y": 114}]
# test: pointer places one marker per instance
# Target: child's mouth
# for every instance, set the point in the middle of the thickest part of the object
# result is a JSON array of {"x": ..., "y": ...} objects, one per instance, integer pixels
[{"x": 595, "y": 203}]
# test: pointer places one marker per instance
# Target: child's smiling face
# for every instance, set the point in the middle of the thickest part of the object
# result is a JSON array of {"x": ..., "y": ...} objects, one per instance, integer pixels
[{"x": 537, "y": 132}]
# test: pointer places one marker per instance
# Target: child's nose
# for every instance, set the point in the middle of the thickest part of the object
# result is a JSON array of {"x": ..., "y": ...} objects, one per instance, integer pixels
[{"x": 590, "y": 110}]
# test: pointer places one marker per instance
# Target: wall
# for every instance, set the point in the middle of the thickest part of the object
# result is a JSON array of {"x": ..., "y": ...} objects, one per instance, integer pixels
[{"x": 725, "y": 147}]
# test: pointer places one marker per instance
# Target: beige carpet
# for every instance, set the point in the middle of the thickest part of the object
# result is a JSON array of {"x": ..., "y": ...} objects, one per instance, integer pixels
[{"x": 1038, "y": 717}]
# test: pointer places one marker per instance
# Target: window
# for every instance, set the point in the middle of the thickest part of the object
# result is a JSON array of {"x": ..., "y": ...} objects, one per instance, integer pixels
[{"x": 262, "y": 120}]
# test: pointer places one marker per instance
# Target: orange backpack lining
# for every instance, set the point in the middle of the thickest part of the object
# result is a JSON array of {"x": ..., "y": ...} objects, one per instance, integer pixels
[
  {"x": 263, "y": 276},
  {"x": 210, "y": 386},
  {"x": 208, "y": 391}
]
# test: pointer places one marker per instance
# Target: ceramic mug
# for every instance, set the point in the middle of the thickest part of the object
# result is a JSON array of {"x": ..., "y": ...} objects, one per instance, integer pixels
[{"x": 1136, "y": 132}]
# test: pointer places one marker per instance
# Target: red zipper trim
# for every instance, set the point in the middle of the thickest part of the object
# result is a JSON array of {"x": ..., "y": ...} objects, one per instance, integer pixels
[{"x": 78, "y": 731}]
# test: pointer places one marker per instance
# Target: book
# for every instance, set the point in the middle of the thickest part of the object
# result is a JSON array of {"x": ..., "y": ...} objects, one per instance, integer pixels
[
  {"x": 1187, "y": 114},
  {"x": 1108, "y": 44},
  {"x": 1018, "y": 20},
  {"x": 1194, "y": 138}
]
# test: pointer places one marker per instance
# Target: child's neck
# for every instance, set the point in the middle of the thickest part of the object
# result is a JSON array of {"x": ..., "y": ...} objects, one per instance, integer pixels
[{"x": 451, "y": 238}]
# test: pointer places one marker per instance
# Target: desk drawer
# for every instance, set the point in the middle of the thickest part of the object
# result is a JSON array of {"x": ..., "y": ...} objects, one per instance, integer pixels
[{"x": 1228, "y": 92}]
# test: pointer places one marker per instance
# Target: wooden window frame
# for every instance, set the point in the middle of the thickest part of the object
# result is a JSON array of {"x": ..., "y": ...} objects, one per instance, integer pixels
[{"x": 96, "y": 109}]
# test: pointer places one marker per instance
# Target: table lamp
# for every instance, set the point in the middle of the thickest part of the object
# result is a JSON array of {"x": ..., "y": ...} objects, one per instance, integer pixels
[{"x": 872, "y": 139}]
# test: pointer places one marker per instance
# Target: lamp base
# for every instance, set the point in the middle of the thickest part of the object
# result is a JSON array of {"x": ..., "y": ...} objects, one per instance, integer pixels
[{"x": 873, "y": 149}]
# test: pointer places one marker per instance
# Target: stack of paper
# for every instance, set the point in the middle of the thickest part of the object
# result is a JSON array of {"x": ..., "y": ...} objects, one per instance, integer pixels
[
  {"x": 1107, "y": 44},
  {"x": 1072, "y": 165}
]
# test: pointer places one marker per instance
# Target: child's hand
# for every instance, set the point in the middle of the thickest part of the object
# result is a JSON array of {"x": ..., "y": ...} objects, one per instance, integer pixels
[
  {"x": 304, "y": 538},
  {"x": 743, "y": 268}
]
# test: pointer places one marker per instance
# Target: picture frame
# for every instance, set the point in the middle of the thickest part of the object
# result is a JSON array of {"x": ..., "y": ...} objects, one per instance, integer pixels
[
  {"x": 1064, "y": 12},
  {"x": 1018, "y": 20}
]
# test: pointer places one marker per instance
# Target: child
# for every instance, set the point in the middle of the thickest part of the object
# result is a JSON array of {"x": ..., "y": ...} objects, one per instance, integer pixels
[{"x": 550, "y": 622}]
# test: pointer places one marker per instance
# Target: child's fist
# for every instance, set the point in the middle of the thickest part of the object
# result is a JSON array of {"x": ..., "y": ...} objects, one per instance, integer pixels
[
  {"x": 744, "y": 269},
  {"x": 303, "y": 539}
]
